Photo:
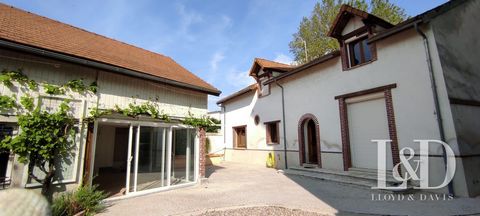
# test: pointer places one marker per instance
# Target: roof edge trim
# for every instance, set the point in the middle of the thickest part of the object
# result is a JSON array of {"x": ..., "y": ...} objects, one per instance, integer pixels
[{"x": 100, "y": 65}]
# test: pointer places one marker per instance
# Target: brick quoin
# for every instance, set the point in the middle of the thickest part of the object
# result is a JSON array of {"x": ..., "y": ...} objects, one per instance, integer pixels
[
  {"x": 202, "y": 159},
  {"x": 392, "y": 128}
]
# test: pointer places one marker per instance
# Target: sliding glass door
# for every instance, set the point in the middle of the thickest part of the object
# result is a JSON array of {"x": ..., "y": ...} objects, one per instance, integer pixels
[
  {"x": 160, "y": 156},
  {"x": 183, "y": 156}
]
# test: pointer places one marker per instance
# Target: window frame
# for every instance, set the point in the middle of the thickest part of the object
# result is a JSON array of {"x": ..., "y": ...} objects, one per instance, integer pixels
[
  {"x": 351, "y": 52},
  {"x": 268, "y": 131},
  {"x": 347, "y": 40}
]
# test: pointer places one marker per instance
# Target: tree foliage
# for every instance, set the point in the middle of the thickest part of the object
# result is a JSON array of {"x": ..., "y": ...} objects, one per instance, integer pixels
[
  {"x": 44, "y": 139},
  {"x": 313, "y": 30}
]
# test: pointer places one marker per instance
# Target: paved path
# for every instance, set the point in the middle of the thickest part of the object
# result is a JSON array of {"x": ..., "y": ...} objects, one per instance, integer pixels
[{"x": 234, "y": 185}]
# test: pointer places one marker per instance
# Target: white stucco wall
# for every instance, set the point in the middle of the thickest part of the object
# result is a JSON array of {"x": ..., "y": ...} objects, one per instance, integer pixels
[{"x": 401, "y": 60}]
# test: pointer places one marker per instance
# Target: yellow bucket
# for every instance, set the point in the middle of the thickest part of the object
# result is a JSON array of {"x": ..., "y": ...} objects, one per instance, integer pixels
[{"x": 271, "y": 163}]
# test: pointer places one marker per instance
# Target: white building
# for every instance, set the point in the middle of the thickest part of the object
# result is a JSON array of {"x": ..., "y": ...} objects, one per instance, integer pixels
[
  {"x": 415, "y": 80},
  {"x": 127, "y": 155}
]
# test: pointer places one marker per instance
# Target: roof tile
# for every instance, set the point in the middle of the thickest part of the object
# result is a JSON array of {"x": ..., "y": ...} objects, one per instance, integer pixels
[{"x": 30, "y": 29}]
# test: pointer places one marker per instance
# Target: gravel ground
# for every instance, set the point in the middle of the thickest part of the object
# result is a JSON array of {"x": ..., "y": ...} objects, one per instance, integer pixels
[{"x": 266, "y": 210}]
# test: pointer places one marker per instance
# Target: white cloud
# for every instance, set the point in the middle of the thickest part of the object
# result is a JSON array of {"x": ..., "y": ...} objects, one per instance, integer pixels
[
  {"x": 239, "y": 79},
  {"x": 217, "y": 58},
  {"x": 187, "y": 19},
  {"x": 282, "y": 58}
]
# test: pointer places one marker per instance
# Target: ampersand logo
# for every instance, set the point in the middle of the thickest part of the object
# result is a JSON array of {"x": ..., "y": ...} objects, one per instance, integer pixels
[{"x": 418, "y": 172}]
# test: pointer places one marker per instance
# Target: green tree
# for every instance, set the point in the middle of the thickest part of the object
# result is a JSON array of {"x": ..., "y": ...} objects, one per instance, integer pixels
[
  {"x": 313, "y": 30},
  {"x": 44, "y": 139}
]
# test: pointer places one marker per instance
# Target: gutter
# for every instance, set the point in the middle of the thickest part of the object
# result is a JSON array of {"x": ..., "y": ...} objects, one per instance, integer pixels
[
  {"x": 104, "y": 66},
  {"x": 283, "y": 125},
  {"x": 305, "y": 66},
  {"x": 393, "y": 31},
  {"x": 435, "y": 99}
]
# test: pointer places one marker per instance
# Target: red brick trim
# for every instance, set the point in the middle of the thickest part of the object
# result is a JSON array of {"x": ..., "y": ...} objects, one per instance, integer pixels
[
  {"x": 202, "y": 159},
  {"x": 392, "y": 129},
  {"x": 347, "y": 162},
  {"x": 367, "y": 91},
  {"x": 301, "y": 141}
]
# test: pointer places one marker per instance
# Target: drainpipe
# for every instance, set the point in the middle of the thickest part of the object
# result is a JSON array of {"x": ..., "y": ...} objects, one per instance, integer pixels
[
  {"x": 435, "y": 99},
  {"x": 283, "y": 124}
]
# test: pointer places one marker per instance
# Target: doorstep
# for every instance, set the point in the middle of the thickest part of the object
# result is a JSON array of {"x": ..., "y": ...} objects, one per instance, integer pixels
[{"x": 359, "y": 177}]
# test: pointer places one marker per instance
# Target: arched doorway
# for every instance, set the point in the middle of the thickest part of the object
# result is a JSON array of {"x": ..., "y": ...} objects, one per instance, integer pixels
[{"x": 309, "y": 140}]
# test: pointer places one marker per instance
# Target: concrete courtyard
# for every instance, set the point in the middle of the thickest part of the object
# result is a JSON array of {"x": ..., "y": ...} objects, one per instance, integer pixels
[{"x": 232, "y": 188}]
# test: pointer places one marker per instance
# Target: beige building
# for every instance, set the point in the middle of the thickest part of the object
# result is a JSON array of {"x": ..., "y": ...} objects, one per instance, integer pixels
[
  {"x": 415, "y": 80},
  {"x": 126, "y": 155}
]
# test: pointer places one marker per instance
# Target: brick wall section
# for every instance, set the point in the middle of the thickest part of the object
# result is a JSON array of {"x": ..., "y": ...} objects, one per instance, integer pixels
[
  {"x": 202, "y": 160},
  {"x": 392, "y": 128},
  {"x": 301, "y": 128},
  {"x": 345, "y": 134}
]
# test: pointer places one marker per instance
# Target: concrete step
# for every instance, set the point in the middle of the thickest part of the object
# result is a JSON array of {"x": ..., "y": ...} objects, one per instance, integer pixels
[{"x": 356, "y": 177}]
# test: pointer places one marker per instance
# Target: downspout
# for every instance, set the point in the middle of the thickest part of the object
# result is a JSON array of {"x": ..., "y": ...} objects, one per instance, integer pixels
[
  {"x": 283, "y": 124},
  {"x": 224, "y": 122},
  {"x": 435, "y": 99}
]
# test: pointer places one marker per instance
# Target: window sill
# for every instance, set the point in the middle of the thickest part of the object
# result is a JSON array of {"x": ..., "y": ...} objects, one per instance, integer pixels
[
  {"x": 273, "y": 143},
  {"x": 240, "y": 148},
  {"x": 359, "y": 65}
]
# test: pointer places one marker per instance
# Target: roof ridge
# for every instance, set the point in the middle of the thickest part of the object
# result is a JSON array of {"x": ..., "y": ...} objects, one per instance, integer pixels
[
  {"x": 81, "y": 29},
  {"x": 272, "y": 61}
]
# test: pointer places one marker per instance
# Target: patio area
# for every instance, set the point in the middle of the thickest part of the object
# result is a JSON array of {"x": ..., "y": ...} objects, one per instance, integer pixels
[{"x": 234, "y": 188}]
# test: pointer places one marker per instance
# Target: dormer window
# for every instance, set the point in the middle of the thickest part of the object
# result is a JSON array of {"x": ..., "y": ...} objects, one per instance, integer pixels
[
  {"x": 352, "y": 28},
  {"x": 359, "y": 52},
  {"x": 263, "y": 70}
]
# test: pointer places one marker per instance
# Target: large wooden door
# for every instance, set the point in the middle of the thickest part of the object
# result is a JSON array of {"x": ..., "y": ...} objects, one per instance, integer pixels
[
  {"x": 240, "y": 137},
  {"x": 312, "y": 143}
]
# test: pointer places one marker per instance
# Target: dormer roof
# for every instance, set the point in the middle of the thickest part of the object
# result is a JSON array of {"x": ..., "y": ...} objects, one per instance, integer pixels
[
  {"x": 263, "y": 64},
  {"x": 346, "y": 13}
]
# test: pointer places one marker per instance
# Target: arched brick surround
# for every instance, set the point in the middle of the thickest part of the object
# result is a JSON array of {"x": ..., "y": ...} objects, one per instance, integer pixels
[{"x": 301, "y": 140}]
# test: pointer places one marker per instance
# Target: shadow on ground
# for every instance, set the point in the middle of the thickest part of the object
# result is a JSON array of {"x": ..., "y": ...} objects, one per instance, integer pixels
[{"x": 356, "y": 200}]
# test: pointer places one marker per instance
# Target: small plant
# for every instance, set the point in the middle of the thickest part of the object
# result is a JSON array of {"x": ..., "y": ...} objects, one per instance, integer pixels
[
  {"x": 93, "y": 87},
  {"x": 76, "y": 85},
  {"x": 85, "y": 198},
  {"x": 32, "y": 85},
  {"x": 8, "y": 76},
  {"x": 7, "y": 102},
  {"x": 27, "y": 102},
  {"x": 96, "y": 113},
  {"x": 202, "y": 122},
  {"x": 149, "y": 109},
  {"x": 53, "y": 90}
]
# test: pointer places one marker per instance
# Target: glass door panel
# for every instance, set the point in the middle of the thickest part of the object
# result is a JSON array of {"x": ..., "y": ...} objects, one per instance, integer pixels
[
  {"x": 183, "y": 159},
  {"x": 191, "y": 152},
  {"x": 151, "y": 158}
]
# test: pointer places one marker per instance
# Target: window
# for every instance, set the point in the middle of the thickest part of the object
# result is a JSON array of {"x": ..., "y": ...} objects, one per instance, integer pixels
[
  {"x": 240, "y": 137},
  {"x": 359, "y": 52},
  {"x": 264, "y": 89},
  {"x": 256, "y": 119},
  {"x": 272, "y": 132}
]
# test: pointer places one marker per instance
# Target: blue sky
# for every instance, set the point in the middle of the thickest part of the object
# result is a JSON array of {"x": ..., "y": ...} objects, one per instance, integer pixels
[{"x": 217, "y": 40}]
